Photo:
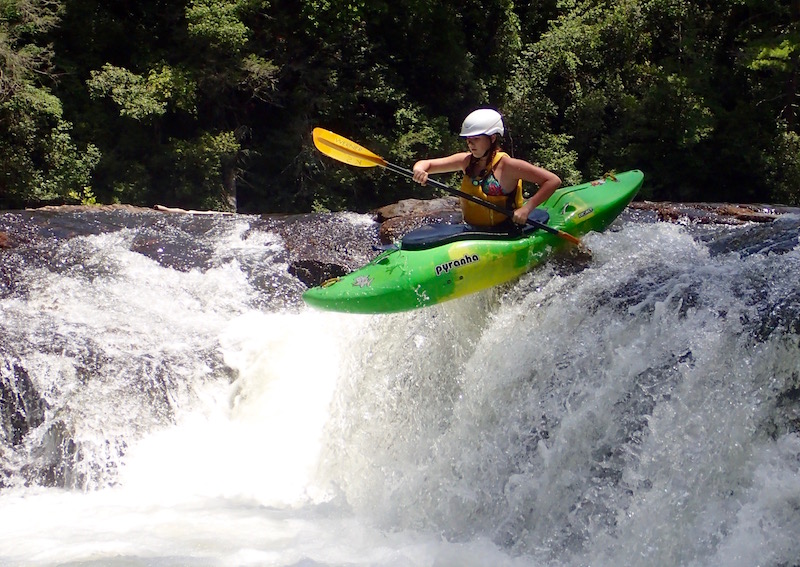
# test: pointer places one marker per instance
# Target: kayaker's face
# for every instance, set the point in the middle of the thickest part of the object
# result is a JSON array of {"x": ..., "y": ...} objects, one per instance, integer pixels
[{"x": 479, "y": 145}]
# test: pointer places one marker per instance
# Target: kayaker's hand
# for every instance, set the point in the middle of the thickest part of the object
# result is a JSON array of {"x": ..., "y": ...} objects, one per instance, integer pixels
[
  {"x": 420, "y": 176},
  {"x": 521, "y": 216}
]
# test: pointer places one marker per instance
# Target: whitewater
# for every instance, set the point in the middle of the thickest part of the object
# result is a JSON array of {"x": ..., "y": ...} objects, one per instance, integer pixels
[{"x": 169, "y": 400}]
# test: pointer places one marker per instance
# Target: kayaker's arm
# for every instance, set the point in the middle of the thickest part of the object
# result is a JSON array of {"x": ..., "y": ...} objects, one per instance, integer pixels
[
  {"x": 547, "y": 181},
  {"x": 447, "y": 164}
]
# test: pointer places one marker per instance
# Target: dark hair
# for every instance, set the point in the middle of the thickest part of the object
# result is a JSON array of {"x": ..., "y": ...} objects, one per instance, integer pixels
[{"x": 473, "y": 161}]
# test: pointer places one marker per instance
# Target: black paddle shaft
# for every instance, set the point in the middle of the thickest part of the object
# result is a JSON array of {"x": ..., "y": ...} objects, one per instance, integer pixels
[{"x": 478, "y": 200}]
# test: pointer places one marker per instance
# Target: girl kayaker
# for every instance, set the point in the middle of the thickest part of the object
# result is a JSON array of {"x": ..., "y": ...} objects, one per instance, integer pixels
[{"x": 490, "y": 173}]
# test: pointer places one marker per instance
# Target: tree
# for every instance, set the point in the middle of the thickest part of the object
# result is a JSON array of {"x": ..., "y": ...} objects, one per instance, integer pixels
[
  {"x": 169, "y": 84},
  {"x": 691, "y": 92},
  {"x": 39, "y": 160},
  {"x": 770, "y": 54},
  {"x": 210, "y": 103}
]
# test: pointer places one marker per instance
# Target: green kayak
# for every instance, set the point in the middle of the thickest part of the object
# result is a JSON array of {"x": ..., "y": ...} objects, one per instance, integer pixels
[{"x": 442, "y": 262}]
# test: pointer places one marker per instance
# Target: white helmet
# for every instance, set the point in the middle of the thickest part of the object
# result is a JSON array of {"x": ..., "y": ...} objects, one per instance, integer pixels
[{"x": 482, "y": 121}]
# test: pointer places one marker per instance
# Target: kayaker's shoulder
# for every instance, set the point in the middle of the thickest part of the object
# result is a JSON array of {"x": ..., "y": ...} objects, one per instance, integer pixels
[{"x": 521, "y": 169}]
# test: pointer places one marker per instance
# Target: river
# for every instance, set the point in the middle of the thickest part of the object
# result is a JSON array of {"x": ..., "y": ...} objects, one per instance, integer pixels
[{"x": 169, "y": 401}]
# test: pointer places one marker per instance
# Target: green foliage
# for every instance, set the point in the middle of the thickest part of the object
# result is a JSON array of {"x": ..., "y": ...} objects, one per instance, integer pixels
[
  {"x": 40, "y": 161},
  {"x": 199, "y": 102},
  {"x": 22, "y": 58},
  {"x": 218, "y": 23},
  {"x": 197, "y": 169},
  {"x": 418, "y": 135},
  {"x": 27, "y": 18},
  {"x": 784, "y": 167},
  {"x": 260, "y": 76},
  {"x": 143, "y": 98},
  {"x": 778, "y": 57},
  {"x": 66, "y": 168},
  {"x": 652, "y": 85},
  {"x": 85, "y": 197}
]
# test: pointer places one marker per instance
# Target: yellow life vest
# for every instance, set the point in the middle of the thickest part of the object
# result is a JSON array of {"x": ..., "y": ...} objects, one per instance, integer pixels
[{"x": 482, "y": 216}]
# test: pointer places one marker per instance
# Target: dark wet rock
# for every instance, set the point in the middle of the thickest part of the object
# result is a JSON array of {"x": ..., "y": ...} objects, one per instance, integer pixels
[
  {"x": 776, "y": 237},
  {"x": 404, "y": 216},
  {"x": 787, "y": 418},
  {"x": 53, "y": 460},
  {"x": 325, "y": 246},
  {"x": 315, "y": 272},
  {"x": 21, "y": 406},
  {"x": 712, "y": 213},
  {"x": 415, "y": 207},
  {"x": 394, "y": 229}
]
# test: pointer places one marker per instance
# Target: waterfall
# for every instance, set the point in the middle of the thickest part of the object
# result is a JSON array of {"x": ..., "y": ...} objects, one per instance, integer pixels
[{"x": 168, "y": 399}]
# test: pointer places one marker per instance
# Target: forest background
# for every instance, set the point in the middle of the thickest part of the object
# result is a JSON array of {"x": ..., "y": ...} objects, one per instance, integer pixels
[{"x": 211, "y": 103}]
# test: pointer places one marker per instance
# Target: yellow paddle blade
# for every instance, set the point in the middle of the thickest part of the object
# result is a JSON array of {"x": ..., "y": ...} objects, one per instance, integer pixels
[{"x": 345, "y": 150}]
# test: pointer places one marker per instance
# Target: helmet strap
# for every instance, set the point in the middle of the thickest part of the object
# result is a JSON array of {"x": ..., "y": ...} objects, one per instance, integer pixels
[
  {"x": 492, "y": 145},
  {"x": 489, "y": 155}
]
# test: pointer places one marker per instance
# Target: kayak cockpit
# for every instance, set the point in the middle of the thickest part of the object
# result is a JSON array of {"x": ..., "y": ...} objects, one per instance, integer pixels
[{"x": 432, "y": 235}]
